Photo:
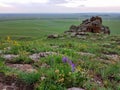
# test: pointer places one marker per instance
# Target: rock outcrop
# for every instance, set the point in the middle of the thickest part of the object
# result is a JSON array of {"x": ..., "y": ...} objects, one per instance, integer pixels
[
  {"x": 93, "y": 25},
  {"x": 53, "y": 36}
]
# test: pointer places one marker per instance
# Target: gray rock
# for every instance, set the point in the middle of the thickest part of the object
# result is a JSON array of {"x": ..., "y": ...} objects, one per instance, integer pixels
[
  {"x": 93, "y": 25},
  {"x": 86, "y": 54},
  {"x": 1, "y": 51},
  {"x": 9, "y": 88},
  {"x": 81, "y": 37},
  {"x": 74, "y": 88},
  {"x": 73, "y": 34},
  {"x": 34, "y": 56},
  {"x": 37, "y": 56},
  {"x": 53, "y": 36},
  {"x": 23, "y": 67},
  {"x": 10, "y": 56},
  {"x": 113, "y": 57}
]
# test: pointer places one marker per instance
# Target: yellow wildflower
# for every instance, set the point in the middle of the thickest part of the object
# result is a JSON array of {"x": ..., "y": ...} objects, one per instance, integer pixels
[
  {"x": 69, "y": 73},
  {"x": 8, "y": 39},
  {"x": 62, "y": 75},
  {"x": 4, "y": 48},
  {"x": 105, "y": 82},
  {"x": 15, "y": 43},
  {"x": 61, "y": 80},
  {"x": 79, "y": 69},
  {"x": 118, "y": 46},
  {"x": 57, "y": 71}
]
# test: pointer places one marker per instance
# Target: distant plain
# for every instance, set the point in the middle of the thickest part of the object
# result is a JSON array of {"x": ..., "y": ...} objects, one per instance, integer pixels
[{"x": 36, "y": 26}]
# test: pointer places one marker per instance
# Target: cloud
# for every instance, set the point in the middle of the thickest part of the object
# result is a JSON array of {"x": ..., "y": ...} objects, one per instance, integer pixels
[
  {"x": 14, "y": 3},
  {"x": 5, "y": 5},
  {"x": 57, "y": 1},
  {"x": 73, "y": 3},
  {"x": 24, "y": 1},
  {"x": 60, "y": 6},
  {"x": 90, "y": 3},
  {"x": 63, "y": 3}
]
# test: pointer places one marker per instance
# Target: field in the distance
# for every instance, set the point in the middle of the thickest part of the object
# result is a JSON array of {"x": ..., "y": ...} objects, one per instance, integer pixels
[
  {"x": 39, "y": 27},
  {"x": 34, "y": 28}
]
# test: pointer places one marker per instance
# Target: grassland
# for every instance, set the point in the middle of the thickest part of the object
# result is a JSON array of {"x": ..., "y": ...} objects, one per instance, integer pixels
[
  {"x": 39, "y": 28},
  {"x": 90, "y": 63}
]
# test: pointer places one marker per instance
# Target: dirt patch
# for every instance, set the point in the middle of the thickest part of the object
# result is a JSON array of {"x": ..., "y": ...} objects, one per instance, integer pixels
[
  {"x": 86, "y": 54},
  {"x": 114, "y": 57},
  {"x": 13, "y": 83},
  {"x": 34, "y": 57},
  {"x": 37, "y": 56},
  {"x": 23, "y": 67},
  {"x": 98, "y": 79}
]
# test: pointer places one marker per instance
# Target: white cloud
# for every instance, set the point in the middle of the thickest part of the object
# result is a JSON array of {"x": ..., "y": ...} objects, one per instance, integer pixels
[
  {"x": 103, "y": 3},
  {"x": 59, "y": 5},
  {"x": 23, "y": 1},
  {"x": 73, "y": 3},
  {"x": 91, "y": 3},
  {"x": 11, "y": 3},
  {"x": 5, "y": 5}
]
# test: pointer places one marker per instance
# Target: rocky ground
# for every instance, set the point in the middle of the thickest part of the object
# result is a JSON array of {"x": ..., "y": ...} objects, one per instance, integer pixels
[
  {"x": 91, "y": 53},
  {"x": 13, "y": 83}
]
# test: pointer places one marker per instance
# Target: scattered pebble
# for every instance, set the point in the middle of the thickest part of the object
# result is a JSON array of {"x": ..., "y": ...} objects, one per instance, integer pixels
[{"x": 74, "y": 88}]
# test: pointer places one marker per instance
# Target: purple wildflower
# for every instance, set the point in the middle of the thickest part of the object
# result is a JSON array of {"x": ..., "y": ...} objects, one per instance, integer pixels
[
  {"x": 70, "y": 62},
  {"x": 73, "y": 67},
  {"x": 64, "y": 59}
]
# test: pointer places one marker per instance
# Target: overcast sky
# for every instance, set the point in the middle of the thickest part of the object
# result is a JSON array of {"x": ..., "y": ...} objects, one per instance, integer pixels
[{"x": 59, "y": 6}]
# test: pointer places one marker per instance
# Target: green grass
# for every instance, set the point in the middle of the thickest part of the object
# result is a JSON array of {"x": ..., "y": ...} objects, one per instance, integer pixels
[
  {"x": 54, "y": 74},
  {"x": 58, "y": 75},
  {"x": 114, "y": 26},
  {"x": 34, "y": 28},
  {"x": 38, "y": 28}
]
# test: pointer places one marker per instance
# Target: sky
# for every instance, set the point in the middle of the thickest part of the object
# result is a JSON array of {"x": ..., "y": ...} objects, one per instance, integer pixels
[{"x": 59, "y": 6}]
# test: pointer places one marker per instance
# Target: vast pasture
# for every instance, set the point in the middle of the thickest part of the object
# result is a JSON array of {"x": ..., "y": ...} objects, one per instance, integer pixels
[
  {"x": 41, "y": 27},
  {"x": 31, "y": 61}
]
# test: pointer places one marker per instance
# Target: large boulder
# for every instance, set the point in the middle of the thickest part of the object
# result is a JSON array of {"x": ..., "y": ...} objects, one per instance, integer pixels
[{"x": 93, "y": 25}]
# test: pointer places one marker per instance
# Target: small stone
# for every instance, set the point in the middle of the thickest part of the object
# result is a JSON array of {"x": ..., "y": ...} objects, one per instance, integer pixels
[
  {"x": 10, "y": 56},
  {"x": 34, "y": 57},
  {"x": 73, "y": 34},
  {"x": 1, "y": 86},
  {"x": 42, "y": 78},
  {"x": 1, "y": 51},
  {"x": 6, "y": 87},
  {"x": 74, "y": 88},
  {"x": 53, "y": 36}
]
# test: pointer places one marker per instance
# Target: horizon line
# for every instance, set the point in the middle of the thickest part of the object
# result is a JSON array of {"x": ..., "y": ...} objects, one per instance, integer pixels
[{"x": 60, "y": 13}]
